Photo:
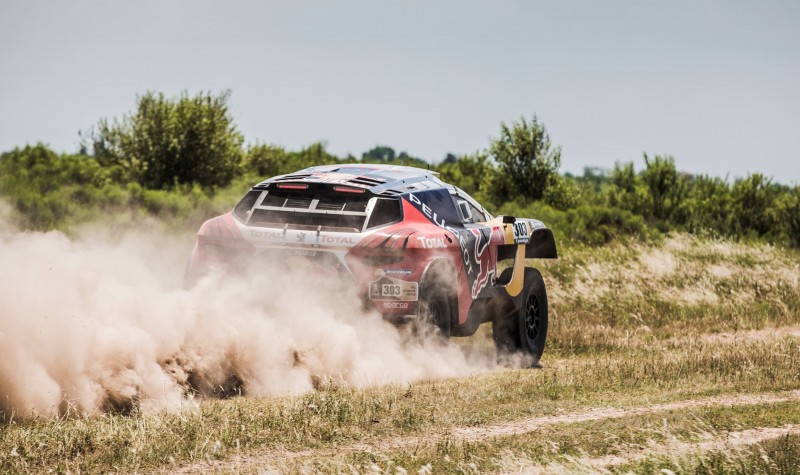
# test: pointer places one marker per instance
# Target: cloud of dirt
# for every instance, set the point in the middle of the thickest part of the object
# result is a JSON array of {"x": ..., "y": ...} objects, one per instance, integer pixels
[{"x": 97, "y": 324}]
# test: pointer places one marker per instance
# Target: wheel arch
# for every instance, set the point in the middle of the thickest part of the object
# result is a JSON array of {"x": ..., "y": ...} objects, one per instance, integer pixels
[{"x": 442, "y": 271}]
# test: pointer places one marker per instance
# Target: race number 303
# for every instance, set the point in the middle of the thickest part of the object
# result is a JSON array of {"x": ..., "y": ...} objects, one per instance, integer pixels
[
  {"x": 390, "y": 290},
  {"x": 521, "y": 232},
  {"x": 393, "y": 289}
]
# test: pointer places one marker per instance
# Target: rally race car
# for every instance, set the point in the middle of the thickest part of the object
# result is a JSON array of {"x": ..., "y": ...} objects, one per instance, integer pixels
[{"x": 416, "y": 248}]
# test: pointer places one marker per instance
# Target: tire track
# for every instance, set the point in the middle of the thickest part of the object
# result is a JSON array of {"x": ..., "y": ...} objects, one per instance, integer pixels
[
  {"x": 274, "y": 457},
  {"x": 675, "y": 450}
]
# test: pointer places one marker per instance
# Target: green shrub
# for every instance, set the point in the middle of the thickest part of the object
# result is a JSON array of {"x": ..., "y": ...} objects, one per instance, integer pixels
[
  {"x": 789, "y": 214},
  {"x": 526, "y": 159},
  {"x": 468, "y": 172},
  {"x": 707, "y": 206},
  {"x": 667, "y": 188},
  {"x": 753, "y": 209},
  {"x": 586, "y": 224},
  {"x": 169, "y": 142},
  {"x": 269, "y": 160},
  {"x": 45, "y": 187},
  {"x": 627, "y": 191}
]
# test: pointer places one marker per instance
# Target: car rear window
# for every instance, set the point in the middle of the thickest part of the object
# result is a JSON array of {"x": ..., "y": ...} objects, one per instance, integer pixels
[
  {"x": 301, "y": 208},
  {"x": 385, "y": 211}
]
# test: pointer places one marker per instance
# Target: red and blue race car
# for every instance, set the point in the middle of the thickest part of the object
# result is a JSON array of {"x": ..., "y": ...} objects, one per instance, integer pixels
[{"x": 415, "y": 247}]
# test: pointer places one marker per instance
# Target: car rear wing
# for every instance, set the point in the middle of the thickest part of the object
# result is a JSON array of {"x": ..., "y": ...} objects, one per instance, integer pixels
[{"x": 538, "y": 239}]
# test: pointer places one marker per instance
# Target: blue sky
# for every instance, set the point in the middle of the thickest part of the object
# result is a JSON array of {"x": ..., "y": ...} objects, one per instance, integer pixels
[{"x": 716, "y": 84}]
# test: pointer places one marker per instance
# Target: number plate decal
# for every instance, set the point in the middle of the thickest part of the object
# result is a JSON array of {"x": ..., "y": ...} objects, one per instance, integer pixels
[
  {"x": 521, "y": 232},
  {"x": 387, "y": 288}
]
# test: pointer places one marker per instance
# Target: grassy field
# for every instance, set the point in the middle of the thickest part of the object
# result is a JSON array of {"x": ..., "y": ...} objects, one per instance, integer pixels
[{"x": 679, "y": 356}]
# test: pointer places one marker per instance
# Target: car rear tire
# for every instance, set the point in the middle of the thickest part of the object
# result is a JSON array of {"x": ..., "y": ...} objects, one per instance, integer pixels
[
  {"x": 437, "y": 301},
  {"x": 525, "y": 331}
]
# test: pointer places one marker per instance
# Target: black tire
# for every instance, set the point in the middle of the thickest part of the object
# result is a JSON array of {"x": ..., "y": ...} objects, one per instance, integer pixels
[
  {"x": 437, "y": 302},
  {"x": 525, "y": 330}
]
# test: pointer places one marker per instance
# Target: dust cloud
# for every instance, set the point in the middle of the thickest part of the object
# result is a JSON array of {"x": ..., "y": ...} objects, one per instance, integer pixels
[{"x": 100, "y": 323}]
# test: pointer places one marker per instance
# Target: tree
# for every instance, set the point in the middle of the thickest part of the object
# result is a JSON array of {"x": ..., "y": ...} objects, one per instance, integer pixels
[
  {"x": 753, "y": 205},
  {"x": 271, "y": 160},
  {"x": 379, "y": 154},
  {"x": 708, "y": 205},
  {"x": 667, "y": 188},
  {"x": 171, "y": 141},
  {"x": 527, "y": 161},
  {"x": 789, "y": 209},
  {"x": 468, "y": 172},
  {"x": 46, "y": 188},
  {"x": 450, "y": 159}
]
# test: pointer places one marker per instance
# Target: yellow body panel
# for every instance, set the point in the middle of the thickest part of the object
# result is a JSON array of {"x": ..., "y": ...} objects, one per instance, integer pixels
[{"x": 518, "y": 277}]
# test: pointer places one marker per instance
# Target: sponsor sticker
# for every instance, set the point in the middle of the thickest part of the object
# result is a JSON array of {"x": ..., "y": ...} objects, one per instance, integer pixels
[
  {"x": 388, "y": 288},
  {"x": 302, "y": 252},
  {"x": 431, "y": 243},
  {"x": 382, "y": 272},
  {"x": 336, "y": 240},
  {"x": 396, "y": 305}
]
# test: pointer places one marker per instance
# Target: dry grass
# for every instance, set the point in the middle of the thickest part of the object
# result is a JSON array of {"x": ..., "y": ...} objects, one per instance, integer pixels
[{"x": 630, "y": 327}]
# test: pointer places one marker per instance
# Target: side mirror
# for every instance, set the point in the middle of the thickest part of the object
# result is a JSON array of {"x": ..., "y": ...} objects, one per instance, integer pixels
[
  {"x": 466, "y": 213},
  {"x": 509, "y": 220}
]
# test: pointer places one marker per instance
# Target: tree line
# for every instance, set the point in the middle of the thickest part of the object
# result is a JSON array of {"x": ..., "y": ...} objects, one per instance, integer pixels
[{"x": 185, "y": 159}]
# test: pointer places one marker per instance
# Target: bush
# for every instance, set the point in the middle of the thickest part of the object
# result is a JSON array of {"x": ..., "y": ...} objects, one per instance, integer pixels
[
  {"x": 586, "y": 224},
  {"x": 627, "y": 191},
  {"x": 667, "y": 189},
  {"x": 527, "y": 161},
  {"x": 707, "y": 206},
  {"x": 468, "y": 172},
  {"x": 270, "y": 160},
  {"x": 789, "y": 214},
  {"x": 169, "y": 142},
  {"x": 45, "y": 187},
  {"x": 753, "y": 206}
]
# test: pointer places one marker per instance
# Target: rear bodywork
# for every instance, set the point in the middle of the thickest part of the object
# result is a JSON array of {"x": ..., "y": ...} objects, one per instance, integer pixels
[{"x": 388, "y": 229}]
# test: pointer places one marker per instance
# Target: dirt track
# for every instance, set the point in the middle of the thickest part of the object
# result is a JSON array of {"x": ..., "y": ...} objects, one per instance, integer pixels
[
  {"x": 677, "y": 449},
  {"x": 264, "y": 460}
]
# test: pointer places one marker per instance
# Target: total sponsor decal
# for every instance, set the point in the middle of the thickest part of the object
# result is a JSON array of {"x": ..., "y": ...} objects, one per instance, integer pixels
[
  {"x": 340, "y": 240},
  {"x": 303, "y": 237},
  {"x": 259, "y": 234},
  {"x": 431, "y": 243}
]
